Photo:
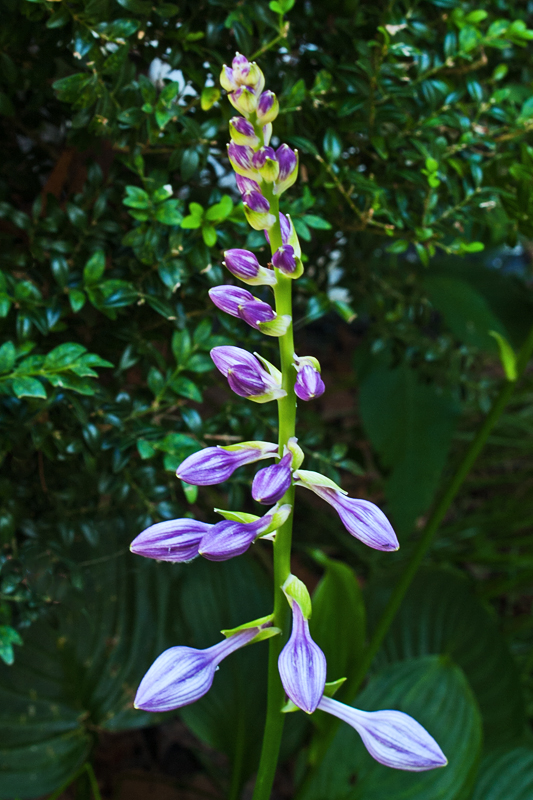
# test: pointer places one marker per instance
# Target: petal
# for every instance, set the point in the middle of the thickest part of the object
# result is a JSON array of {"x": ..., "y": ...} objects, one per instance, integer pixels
[
  {"x": 228, "y": 539},
  {"x": 229, "y": 298},
  {"x": 391, "y": 737},
  {"x": 271, "y": 483},
  {"x": 227, "y": 357},
  {"x": 366, "y": 522}
]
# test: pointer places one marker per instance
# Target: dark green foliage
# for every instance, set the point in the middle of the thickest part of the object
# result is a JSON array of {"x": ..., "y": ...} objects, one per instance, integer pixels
[{"x": 413, "y": 123}]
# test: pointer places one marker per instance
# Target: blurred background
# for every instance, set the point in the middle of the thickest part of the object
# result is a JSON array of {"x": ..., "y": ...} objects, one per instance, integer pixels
[{"x": 414, "y": 125}]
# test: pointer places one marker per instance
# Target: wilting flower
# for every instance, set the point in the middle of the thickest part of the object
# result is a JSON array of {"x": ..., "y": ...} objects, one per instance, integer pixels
[
  {"x": 361, "y": 518},
  {"x": 230, "y": 538},
  {"x": 181, "y": 675},
  {"x": 216, "y": 464},
  {"x": 172, "y": 540},
  {"x": 242, "y": 132},
  {"x": 245, "y": 266},
  {"x": 246, "y": 375},
  {"x": 391, "y": 737},
  {"x": 271, "y": 483},
  {"x": 308, "y": 384},
  {"x": 302, "y": 665}
]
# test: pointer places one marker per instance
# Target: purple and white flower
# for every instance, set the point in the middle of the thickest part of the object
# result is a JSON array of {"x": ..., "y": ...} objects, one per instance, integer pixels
[
  {"x": 391, "y": 737},
  {"x": 216, "y": 464},
  {"x": 242, "y": 132},
  {"x": 240, "y": 156},
  {"x": 267, "y": 108},
  {"x": 231, "y": 538},
  {"x": 361, "y": 518},
  {"x": 242, "y": 73},
  {"x": 246, "y": 374},
  {"x": 242, "y": 304},
  {"x": 271, "y": 483},
  {"x": 265, "y": 162},
  {"x": 245, "y": 266},
  {"x": 302, "y": 665},
  {"x": 172, "y": 540},
  {"x": 308, "y": 384},
  {"x": 288, "y": 168},
  {"x": 181, "y": 675}
]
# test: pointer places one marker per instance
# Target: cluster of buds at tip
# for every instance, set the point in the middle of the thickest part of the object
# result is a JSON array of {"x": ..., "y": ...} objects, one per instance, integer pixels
[{"x": 182, "y": 675}]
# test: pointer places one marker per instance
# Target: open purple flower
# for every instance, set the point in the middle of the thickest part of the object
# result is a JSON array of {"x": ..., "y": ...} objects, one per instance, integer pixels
[
  {"x": 231, "y": 538},
  {"x": 391, "y": 737},
  {"x": 245, "y": 266},
  {"x": 271, "y": 483},
  {"x": 216, "y": 464},
  {"x": 246, "y": 375},
  {"x": 181, "y": 675},
  {"x": 302, "y": 665},
  {"x": 361, "y": 518},
  {"x": 172, "y": 540}
]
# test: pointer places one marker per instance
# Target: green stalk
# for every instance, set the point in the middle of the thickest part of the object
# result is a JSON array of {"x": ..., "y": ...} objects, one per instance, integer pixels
[
  {"x": 282, "y": 545},
  {"x": 353, "y": 684}
]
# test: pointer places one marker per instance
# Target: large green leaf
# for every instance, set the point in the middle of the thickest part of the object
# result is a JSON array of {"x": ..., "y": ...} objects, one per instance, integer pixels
[
  {"x": 441, "y": 615},
  {"x": 433, "y": 691},
  {"x": 338, "y": 621},
  {"x": 410, "y": 424},
  {"x": 465, "y": 310},
  {"x": 78, "y": 672},
  {"x": 506, "y": 776}
]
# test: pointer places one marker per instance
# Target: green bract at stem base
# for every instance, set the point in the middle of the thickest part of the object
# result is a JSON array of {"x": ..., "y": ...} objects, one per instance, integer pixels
[
  {"x": 282, "y": 544},
  {"x": 353, "y": 684}
]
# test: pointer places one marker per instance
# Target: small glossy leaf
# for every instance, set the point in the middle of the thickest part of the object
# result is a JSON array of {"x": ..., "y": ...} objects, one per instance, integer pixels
[
  {"x": 28, "y": 387},
  {"x": 94, "y": 268}
]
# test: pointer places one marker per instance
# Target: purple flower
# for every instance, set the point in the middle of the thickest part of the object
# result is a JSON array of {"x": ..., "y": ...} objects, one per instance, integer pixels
[
  {"x": 173, "y": 540},
  {"x": 242, "y": 304},
  {"x": 244, "y": 100},
  {"x": 267, "y": 108},
  {"x": 256, "y": 202},
  {"x": 309, "y": 384},
  {"x": 242, "y": 132},
  {"x": 361, "y": 518},
  {"x": 240, "y": 156},
  {"x": 284, "y": 260},
  {"x": 391, "y": 737},
  {"x": 271, "y": 483},
  {"x": 181, "y": 675},
  {"x": 245, "y": 266},
  {"x": 230, "y": 538},
  {"x": 246, "y": 185},
  {"x": 216, "y": 464},
  {"x": 246, "y": 375},
  {"x": 302, "y": 665},
  {"x": 266, "y": 163}
]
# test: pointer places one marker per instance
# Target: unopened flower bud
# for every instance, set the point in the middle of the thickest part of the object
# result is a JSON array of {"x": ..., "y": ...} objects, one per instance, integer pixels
[
  {"x": 245, "y": 266},
  {"x": 240, "y": 156},
  {"x": 265, "y": 162},
  {"x": 302, "y": 665},
  {"x": 244, "y": 100},
  {"x": 242, "y": 132},
  {"x": 247, "y": 73},
  {"x": 214, "y": 465},
  {"x": 287, "y": 262},
  {"x": 361, "y": 518},
  {"x": 288, "y": 168},
  {"x": 246, "y": 185},
  {"x": 391, "y": 737},
  {"x": 259, "y": 220},
  {"x": 172, "y": 540},
  {"x": 246, "y": 375},
  {"x": 181, "y": 675},
  {"x": 267, "y": 108},
  {"x": 308, "y": 384},
  {"x": 270, "y": 484},
  {"x": 228, "y": 539}
]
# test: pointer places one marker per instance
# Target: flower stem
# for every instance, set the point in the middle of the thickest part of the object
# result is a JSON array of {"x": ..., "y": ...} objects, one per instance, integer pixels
[
  {"x": 282, "y": 545},
  {"x": 353, "y": 684}
]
